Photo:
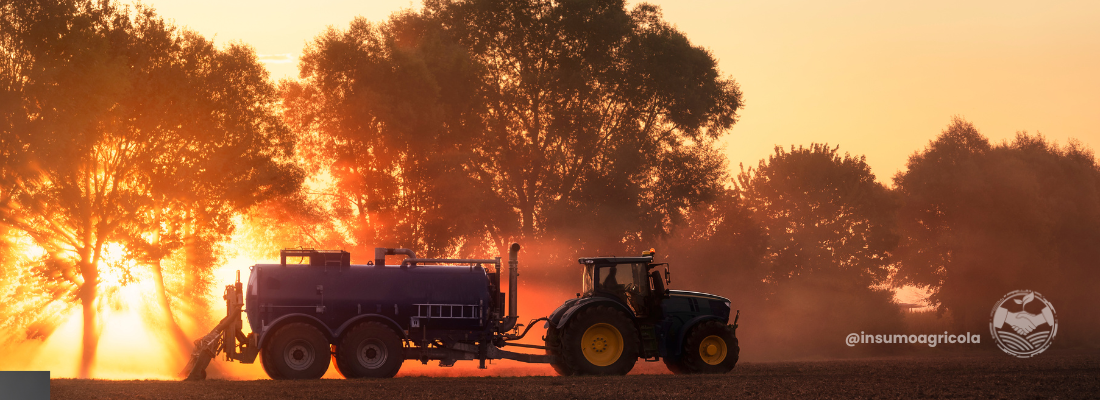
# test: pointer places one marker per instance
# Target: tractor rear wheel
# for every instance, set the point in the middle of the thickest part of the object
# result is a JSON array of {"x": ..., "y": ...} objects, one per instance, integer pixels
[
  {"x": 599, "y": 340},
  {"x": 710, "y": 348},
  {"x": 553, "y": 349},
  {"x": 296, "y": 351},
  {"x": 369, "y": 350}
]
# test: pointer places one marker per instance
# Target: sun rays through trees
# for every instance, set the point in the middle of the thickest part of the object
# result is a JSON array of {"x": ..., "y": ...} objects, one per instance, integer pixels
[{"x": 128, "y": 135}]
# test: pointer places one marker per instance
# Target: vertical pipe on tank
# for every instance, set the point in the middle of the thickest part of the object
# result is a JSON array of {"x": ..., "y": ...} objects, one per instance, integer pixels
[{"x": 513, "y": 272}]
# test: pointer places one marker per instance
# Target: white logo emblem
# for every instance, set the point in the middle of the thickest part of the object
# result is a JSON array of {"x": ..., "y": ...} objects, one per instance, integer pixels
[{"x": 1024, "y": 326}]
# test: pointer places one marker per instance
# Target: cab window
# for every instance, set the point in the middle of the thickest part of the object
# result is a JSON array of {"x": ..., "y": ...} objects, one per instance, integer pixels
[
  {"x": 628, "y": 282},
  {"x": 616, "y": 278},
  {"x": 588, "y": 280}
]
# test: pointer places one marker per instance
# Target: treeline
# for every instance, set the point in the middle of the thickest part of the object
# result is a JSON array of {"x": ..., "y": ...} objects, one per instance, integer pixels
[
  {"x": 575, "y": 127},
  {"x": 812, "y": 244}
]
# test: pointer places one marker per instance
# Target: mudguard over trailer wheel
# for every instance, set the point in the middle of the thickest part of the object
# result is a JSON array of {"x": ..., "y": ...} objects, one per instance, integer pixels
[
  {"x": 710, "y": 348},
  {"x": 369, "y": 350},
  {"x": 599, "y": 340},
  {"x": 296, "y": 351}
]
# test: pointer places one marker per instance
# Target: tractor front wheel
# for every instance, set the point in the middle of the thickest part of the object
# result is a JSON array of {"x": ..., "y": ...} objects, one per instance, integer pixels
[
  {"x": 599, "y": 340},
  {"x": 710, "y": 348}
]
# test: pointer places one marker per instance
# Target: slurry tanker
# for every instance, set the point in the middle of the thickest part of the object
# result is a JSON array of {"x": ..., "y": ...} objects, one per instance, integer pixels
[{"x": 371, "y": 318}]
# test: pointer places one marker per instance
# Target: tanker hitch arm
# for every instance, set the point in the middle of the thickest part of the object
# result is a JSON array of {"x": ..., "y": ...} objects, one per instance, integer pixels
[{"x": 224, "y": 337}]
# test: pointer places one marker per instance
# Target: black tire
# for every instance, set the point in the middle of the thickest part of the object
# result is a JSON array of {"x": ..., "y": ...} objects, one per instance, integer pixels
[
  {"x": 268, "y": 368},
  {"x": 710, "y": 348},
  {"x": 369, "y": 350},
  {"x": 675, "y": 364},
  {"x": 296, "y": 351},
  {"x": 577, "y": 355},
  {"x": 553, "y": 349}
]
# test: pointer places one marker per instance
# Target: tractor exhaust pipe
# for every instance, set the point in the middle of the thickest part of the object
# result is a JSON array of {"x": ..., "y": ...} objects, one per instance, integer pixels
[
  {"x": 513, "y": 273},
  {"x": 380, "y": 254}
]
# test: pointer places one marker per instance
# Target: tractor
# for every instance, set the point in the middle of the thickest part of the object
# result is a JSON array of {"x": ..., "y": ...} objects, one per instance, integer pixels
[{"x": 625, "y": 312}]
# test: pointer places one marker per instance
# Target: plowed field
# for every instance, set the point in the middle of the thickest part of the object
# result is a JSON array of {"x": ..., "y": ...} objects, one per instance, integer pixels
[{"x": 987, "y": 375}]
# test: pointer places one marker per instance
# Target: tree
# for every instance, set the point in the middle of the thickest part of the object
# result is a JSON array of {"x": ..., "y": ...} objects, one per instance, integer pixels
[
  {"x": 533, "y": 119},
  {"x": 387, "y": 110},
  {"x": 824, "y": 214},
  {"x": 595, "y": 116},
  {"x": 720, "y": 249},
  {"x": 119, "y": 122},
  {"x": 831, "y": 234},
  {"x": 980, "y": 220},
  {"x": 931, "y": 200},
  {"x": 229, "y": 152}
]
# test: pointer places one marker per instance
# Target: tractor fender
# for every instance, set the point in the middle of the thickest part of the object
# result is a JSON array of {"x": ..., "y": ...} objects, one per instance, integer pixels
[
  {"x": 558, "y": 312},
  {"x": 371, "y": 317},
  {"x": 588, "y": 301},
  {"x": 677, "y": 348},
  {"x": 267, "y": 329}
]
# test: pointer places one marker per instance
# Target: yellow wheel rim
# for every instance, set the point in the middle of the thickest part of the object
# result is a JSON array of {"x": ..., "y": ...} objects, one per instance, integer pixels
[
  {"x": 712, "y": 350},
  {"x": 602, "y": 344}
]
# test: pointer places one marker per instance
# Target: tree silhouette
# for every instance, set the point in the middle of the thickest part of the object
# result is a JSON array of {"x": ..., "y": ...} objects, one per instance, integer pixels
[
  {"x": 980, "y": 220},
  {"x": 824, "y": 213},
  {"x": 597, "y": 118},
  {"x": 478, "y": 121},
  {"x": 387, "y": 110},
  {"x": 125, "y": 130},
  {"x": 831, "y": 232}
]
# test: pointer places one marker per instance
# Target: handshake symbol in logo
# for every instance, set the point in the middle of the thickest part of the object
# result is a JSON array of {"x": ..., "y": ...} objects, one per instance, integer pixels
[{"x": 1020, "y": 332}]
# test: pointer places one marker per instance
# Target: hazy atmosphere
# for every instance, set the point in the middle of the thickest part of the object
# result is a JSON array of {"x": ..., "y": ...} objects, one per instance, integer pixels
[{"x": 763, "y": 182}]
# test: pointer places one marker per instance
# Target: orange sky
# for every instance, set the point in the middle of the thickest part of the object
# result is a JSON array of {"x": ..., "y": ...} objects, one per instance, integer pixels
[{"x": 878, "y": 78}]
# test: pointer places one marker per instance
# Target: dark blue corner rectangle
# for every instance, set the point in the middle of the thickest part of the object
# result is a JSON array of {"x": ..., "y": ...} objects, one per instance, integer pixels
[{"x": 25, "y": 385}]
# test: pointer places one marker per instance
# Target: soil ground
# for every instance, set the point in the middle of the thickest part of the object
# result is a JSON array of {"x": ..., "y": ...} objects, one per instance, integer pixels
[{"x": 1064, "y": 374}]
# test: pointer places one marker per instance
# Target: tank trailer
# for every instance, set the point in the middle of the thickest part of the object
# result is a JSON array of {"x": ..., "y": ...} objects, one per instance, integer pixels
[{"x": 370, "y": 318}]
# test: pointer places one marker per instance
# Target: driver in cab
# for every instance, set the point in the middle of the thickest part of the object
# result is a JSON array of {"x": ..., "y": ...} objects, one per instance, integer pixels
[{"x": 611, "y": 284}]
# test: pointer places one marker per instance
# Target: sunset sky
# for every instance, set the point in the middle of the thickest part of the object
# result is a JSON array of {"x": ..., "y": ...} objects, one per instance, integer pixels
[{"x": 878, "y": 78}]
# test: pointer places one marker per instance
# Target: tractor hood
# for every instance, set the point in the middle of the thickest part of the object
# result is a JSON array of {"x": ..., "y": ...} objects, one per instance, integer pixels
[
  {"x": 684, "y": 300},
  {"x": 688, "y": 293}
]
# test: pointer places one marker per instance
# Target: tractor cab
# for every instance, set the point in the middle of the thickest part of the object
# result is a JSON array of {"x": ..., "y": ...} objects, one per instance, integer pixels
[{"x": 631, "y": 281}]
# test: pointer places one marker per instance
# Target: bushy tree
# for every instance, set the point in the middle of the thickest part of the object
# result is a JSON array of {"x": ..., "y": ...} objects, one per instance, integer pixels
[
  {"x": 830, "y": 236},
  {"x": 980, "y": 220},
  {"x": 388, "y": 112},
  {"x": 471, "y": 123},
  {"x": 118, "y": 128},
  {"x": 823, "y": 212},
  {"x": 598, "y": 119}
]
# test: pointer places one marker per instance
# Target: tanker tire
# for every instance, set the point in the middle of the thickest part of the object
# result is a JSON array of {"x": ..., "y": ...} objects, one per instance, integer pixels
[
  {"x": 693, "y": 361},
  {"x": 268, "y": 368},
  {"x": 369, "y": 350},
  {"x": 572, "y": 351},
  {"x": 553, "y": 349},
  {"x": 297, "y": 351}
]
